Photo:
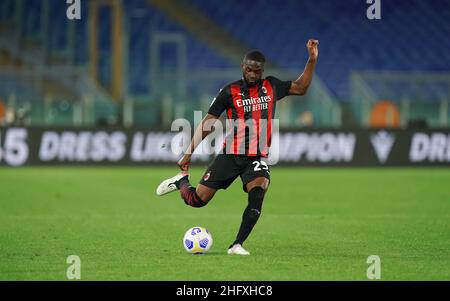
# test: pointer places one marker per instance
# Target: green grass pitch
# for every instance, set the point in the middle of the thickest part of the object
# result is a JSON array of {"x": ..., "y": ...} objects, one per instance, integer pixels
[{"x": 316, "y": 224}]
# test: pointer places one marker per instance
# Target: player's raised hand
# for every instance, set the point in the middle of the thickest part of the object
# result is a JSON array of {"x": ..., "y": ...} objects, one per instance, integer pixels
[
  {"x": 184, "y": 162},
  {"x": 313, "y": 49}
]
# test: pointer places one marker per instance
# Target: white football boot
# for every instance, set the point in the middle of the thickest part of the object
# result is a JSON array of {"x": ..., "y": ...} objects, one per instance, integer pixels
[
  {"x": 237, "y": 249},
  {"x": 168, "y": 185}
]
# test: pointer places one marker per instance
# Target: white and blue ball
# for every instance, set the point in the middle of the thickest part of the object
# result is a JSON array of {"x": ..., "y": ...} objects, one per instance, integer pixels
[{"x": 197, "y": 240}]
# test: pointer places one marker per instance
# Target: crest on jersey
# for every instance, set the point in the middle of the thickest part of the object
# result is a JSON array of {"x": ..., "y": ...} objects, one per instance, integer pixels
[
  {"x": 206, "y": 176},
  {"x": 264, "y": 90}
]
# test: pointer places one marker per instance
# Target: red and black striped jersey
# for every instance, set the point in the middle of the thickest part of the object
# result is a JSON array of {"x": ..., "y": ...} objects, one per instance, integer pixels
[{"x": 250, "y": 110}]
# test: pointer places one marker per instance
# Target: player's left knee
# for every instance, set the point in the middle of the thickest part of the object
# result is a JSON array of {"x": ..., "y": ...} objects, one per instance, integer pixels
[
  {"x": 265, "y": 185},
  {"x": 260, "y": 182}
]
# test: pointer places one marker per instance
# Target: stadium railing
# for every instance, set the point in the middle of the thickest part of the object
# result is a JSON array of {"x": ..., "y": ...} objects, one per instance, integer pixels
[
  {"x": 58, "y": 96},
  {"x": 316, "y": 109},
  {"x": 418, "y": 96}
]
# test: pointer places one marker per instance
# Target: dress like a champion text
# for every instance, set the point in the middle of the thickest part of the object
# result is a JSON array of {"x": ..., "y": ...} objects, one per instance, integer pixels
[{"x": 254, "y": 103}]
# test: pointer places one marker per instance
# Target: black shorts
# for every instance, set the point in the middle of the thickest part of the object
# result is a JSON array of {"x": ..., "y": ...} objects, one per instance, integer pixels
[{"x": 224, "y": 169}]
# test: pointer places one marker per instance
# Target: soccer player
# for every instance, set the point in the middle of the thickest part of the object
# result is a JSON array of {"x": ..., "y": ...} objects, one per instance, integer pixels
[{"x": 250, "y": 107}]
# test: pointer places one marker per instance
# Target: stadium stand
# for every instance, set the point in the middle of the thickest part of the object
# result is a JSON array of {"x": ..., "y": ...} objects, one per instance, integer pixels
[
  {"x": 411, "y": 37},
  {"x": 404, "y": 39}
]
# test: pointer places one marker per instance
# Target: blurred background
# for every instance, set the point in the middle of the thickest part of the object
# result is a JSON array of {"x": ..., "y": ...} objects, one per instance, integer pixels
[{"x": 143, "y": 63}]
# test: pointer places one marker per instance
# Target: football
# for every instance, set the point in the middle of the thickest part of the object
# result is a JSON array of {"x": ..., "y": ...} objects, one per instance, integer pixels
[{"x": 197, "y": 240}]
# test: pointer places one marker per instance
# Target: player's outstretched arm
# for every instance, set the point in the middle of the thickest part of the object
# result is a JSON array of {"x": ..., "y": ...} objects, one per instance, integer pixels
[
  {"x": 203, "y": 130},
  {"x": 301, "y": 84}
]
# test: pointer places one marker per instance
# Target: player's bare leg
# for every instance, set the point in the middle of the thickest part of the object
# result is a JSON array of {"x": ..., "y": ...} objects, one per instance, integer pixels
[
  {"x": 256, "y": 191},
  {"x": 205, "y": 193},
  {"x": 258, "y": 182}
]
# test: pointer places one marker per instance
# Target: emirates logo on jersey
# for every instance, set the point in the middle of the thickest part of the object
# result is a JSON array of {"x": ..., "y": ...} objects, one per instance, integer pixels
[
  {"x": 253, "y": 100},
  {"x": 206, "y": 176}
]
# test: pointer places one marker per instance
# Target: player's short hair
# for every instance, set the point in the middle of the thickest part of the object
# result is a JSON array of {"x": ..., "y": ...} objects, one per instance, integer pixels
[{"x": 255, "y": 55}]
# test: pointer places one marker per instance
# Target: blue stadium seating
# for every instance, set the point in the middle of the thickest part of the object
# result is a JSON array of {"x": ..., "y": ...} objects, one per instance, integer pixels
[
  {"x": 411, "y": 35},
  {"x": 144, "y": 20}
]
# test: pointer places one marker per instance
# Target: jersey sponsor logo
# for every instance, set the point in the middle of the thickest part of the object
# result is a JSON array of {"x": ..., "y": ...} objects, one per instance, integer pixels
[
  {"x": 382, "y": 143},
  {"x": 254, "y": 103},
  {"x": 253, "y": 100}
]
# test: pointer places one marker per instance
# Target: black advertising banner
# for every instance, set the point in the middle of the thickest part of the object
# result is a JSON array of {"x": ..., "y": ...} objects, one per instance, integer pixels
[
  {"x": 93, "y": 146},
  {"x": 366, "y": 148}
]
